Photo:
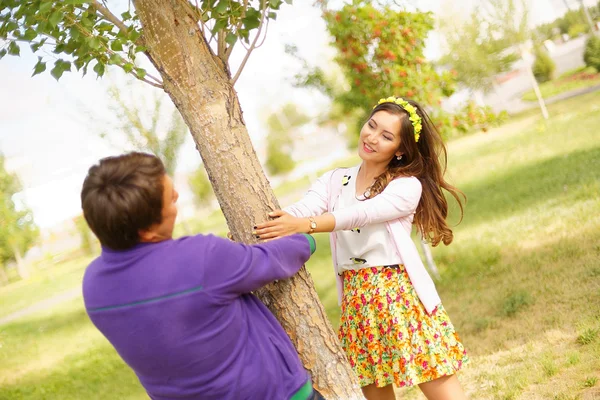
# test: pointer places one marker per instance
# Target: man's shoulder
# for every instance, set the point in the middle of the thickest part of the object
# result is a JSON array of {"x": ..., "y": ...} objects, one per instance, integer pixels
[{"x": 199, "y": 240}]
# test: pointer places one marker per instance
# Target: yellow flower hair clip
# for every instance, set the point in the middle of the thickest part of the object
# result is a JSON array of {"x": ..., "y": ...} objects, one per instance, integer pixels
[{"x": 410, "y": 109}]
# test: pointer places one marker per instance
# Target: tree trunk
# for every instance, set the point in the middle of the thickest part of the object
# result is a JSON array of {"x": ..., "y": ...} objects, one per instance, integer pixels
[
  {"x": 3, "y": 275},
  {"x": 200, "y": 86},
  {"x": 21, "y": 267}
]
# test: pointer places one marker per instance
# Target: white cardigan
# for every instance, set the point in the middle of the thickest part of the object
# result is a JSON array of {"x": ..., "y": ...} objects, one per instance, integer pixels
[{"x": 396, "y": 205}]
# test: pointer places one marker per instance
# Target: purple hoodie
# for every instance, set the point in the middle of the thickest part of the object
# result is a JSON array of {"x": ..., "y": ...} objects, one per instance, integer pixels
[{"x": 180, "y": 313}]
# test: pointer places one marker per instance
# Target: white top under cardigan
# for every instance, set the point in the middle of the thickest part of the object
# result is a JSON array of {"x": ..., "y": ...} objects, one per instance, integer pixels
[
  {"x": 363, "y": 246},
  {"x": 394, "y": 207}
]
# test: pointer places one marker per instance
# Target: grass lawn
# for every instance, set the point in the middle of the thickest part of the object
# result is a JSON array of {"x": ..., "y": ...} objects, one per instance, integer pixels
[
  {"x": 521, "y": 281},
  {"x": 576, "y": 79},
  {"x": 43, "y": 284}
]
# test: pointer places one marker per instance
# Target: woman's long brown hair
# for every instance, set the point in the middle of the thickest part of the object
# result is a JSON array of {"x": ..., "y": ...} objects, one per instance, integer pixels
[{"x": 427, "y": 161}]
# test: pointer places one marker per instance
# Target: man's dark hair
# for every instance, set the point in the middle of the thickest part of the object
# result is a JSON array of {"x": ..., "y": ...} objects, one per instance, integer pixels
[{"x": 122, "y": 195}]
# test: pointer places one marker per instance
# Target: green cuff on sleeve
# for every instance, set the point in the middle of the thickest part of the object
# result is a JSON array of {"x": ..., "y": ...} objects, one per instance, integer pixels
[{"x": 311, "y": 241}]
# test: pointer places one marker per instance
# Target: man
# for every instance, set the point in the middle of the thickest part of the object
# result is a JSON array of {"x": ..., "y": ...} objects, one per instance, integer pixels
[{"x": 179, "y": 312}]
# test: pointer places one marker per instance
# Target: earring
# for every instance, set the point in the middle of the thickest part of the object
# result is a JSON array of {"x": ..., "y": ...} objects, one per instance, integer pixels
[{"x": 399, "y": 157}]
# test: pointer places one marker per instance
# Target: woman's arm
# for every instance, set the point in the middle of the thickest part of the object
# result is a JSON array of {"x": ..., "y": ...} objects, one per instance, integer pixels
[
  {"x": 314, "y": 201},
  {"x": 285, "y": 224},
  {"x": 400, "y": 198}
]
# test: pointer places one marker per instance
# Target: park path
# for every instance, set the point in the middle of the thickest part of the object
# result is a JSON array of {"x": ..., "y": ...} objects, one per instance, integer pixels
[{"x": 42, "y": 305}]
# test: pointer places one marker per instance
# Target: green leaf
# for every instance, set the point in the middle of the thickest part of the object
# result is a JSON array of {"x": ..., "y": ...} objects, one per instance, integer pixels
[
  {"x": 76, "y": 2},
  {"x": 60, "y": 67},
  {"x": 55, "y": 18},
  {"x": 115, "y": 59},
  {"x": 11, "y": 26},
  {"x": 99, "y": 68},
  {"x": 39, "y": 67},
  {"x": 45, "y": 7},
  {"x": 140, "y": 72},
  {"x": 36, "y": 46},
  {"x": 230, "y": 39},
  {"x": 78, "y": 63},
  {"x": 94, "y": 43},
  {"x": 126, "y": 15},
  {"x": 2, "y": 53},
  {"x": 75, "y": 34},
  {"x": 30, "y": 34},
  {"x": 134, "y": 35},
  {"x": 219, "y": 25},
  {"x": 116, "y": 45},
  {"x": 104, "y": 26},
  {"x": 128, "y": 67},
  {"x": 221, "y": 7},
  {"x": 251, "y": 22},
  {"x": 13, "y": 49},
  {"x": 272, "y": 15}
]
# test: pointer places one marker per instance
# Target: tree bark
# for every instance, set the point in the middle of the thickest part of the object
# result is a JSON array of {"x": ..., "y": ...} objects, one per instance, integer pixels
[
  {"x": 200, "y": 86},
  {"x": 21, "y": 267},
  {"x": 3, "y": 275}
]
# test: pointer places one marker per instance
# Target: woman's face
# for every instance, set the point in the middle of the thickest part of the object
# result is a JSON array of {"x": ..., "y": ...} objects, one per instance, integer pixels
[{"x": 380, "y": 138}]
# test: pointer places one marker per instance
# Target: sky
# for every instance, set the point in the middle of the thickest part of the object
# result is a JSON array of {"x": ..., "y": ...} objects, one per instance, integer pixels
[{"x": 49, "y": 130}]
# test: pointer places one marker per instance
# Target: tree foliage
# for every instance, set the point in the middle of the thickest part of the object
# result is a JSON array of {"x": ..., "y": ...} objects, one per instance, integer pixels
[
  {"x": 18, "y": 231},
  {"x": 591, "y": 54},
  {"x": 280, "y": 143},
  {"x": 380, "y": 53},
  {"x": 474, "y": 52},
  {"x": 200, "y": 185},
  {"x": 543, "y": 66},
  {"x": 85, "y": 33},
  {"x": 87, "y": 241},
  {"x": 159, "y": 129}
]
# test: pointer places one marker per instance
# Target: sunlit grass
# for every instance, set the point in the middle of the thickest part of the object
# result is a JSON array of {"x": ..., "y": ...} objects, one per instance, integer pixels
[{"x": 521, "y": 281}]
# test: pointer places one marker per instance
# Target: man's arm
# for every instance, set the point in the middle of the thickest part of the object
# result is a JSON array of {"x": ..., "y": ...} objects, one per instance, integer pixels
[{"x": 233, "y": 268}]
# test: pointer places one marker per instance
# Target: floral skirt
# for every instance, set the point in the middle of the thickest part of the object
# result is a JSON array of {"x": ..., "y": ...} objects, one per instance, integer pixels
[{"x": 387, "y": 334}]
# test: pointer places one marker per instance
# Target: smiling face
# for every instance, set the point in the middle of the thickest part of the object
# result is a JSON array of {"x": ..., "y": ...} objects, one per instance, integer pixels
[{"x": 379, "y": 140}]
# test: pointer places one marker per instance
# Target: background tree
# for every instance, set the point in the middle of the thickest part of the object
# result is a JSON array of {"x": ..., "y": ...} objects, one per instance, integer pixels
[
  {"x": 200, "y": 185},
  {"x": 190, "y": 45},
  {"x": 87, "y": 241},
  {"x": 148, "y": 123},
  {"x": 18, "y": 231},
  {"x": 508, "y": 21},
  {"x": 591, "y": 55},
  {"x": 543, "y": 66},
  {"x": 380, "y": 52},
  {"x": 474, "y": 52},
  {"x": 280, "y": 143}
]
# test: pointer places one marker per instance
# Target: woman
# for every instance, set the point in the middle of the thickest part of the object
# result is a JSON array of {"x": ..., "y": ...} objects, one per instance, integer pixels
[{"x": 393, "y": 326}]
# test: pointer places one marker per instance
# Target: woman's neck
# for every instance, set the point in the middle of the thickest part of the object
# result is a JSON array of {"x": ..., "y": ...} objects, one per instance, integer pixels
[{"x": 369, "y": 171}]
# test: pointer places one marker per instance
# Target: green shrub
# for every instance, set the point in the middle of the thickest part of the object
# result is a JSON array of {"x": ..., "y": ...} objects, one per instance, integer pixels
[
  {"x": 543, "y": 67},
  {"x": 576, "y": 30},
  {"x": 591, "y": 55}
]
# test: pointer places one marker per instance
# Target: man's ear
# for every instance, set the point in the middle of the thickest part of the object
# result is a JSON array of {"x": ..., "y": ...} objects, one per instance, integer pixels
[{"x": 147, "y": 235}]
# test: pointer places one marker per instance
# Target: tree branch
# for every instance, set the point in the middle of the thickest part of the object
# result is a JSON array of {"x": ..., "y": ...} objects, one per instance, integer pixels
[
  {"x": 245, "y": 60},
  {"x": 110, "y": 16},
  {"x": 221, "y": 45},
  {"x": 124, "y": 29},
  {"x": 237, "y": 29}
]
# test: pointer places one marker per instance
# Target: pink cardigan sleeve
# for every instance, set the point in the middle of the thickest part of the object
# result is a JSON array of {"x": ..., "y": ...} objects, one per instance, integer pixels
[
  {"x": 399, "y": 199},
  {"x": 314, "y": 201}
]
